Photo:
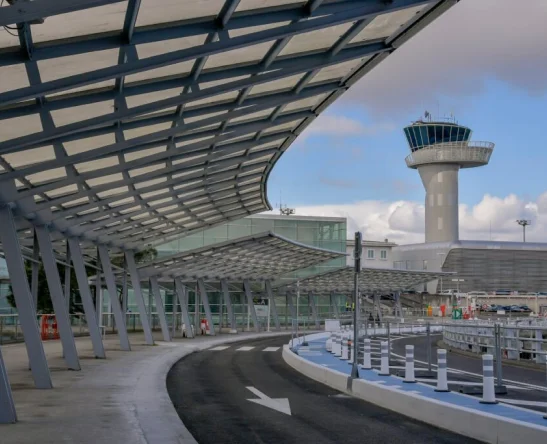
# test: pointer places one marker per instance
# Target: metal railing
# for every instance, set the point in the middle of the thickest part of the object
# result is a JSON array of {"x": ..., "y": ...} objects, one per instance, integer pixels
[{"x": 472, "y": 153}]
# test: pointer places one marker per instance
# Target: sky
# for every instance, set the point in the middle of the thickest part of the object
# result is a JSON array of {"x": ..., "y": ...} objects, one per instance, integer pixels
[{"x": 485, "y": 62}]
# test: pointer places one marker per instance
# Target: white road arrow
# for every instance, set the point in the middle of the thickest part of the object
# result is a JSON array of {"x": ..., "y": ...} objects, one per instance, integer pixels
[{"x": 279, "y": 404}]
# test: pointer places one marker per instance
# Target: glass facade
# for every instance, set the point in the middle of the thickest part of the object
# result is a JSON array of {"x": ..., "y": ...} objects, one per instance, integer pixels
[{"x": 422, "y": 134}]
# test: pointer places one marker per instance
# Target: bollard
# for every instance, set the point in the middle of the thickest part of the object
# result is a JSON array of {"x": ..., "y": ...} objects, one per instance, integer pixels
[
  {"x": 409, "y": 365},
  {"x": 488, "y": 392},
  {"x": 384, "y": 366},
  {"x": 545, "y": 417},
  {"x": 442, "y": 378},
  {"x": 345, "y": 356},
  {"x": 367, "y": 362}
]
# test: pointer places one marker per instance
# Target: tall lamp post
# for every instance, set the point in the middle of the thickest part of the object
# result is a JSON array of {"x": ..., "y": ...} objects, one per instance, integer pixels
[
  {"x": 524, "y": 223},
  {"x": 357, "y": 260}
]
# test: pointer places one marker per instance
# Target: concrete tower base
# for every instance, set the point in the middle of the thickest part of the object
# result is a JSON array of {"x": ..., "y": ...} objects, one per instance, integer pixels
[{"x": 441, "y": 201}]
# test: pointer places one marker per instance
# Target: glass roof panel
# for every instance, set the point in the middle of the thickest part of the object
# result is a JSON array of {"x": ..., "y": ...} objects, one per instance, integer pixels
[{"x": 160, "y": 11}]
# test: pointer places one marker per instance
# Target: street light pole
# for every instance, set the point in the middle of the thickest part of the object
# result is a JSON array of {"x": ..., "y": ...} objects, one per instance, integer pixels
[
  {"x": 524, "y": 223},
  {"x": 357, "y": 259}
]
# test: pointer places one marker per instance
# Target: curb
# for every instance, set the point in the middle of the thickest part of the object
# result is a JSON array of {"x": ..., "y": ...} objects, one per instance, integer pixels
[{"x": 464, "y": 421}]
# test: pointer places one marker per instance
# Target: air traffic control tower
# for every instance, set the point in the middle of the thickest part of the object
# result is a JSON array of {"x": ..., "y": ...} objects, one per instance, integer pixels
[{"x": 438, "y": 150}]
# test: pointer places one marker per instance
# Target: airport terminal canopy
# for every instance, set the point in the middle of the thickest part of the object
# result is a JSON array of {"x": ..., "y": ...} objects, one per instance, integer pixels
[
  {"x": 371, "y": 280},
  {"x": 125, "y": 123},
  {"x": 257, "y": 257}
]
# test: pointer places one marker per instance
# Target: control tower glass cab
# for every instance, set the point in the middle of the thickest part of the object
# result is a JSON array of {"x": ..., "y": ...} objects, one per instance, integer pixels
[{"x": 438, "y": 149}]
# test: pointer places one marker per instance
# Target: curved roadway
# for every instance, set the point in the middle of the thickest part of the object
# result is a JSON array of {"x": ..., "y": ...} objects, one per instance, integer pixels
[{"x": 209, "y": 391}]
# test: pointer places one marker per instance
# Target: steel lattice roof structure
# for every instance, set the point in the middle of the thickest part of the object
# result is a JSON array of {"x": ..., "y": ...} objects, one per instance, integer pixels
[
  {"x": 371, "y": 280},
  {"x": 127, "y": 123},
  {"x": 257, "y": 257}
]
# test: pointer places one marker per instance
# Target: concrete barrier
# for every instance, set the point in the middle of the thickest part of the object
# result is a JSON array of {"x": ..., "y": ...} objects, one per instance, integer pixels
[{"x": 464, "y": 421}]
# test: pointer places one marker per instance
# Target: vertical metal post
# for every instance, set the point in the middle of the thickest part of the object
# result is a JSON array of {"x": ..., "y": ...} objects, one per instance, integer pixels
[
  {"x": 313, "y": 309},
  {"x": 119, "y": 317},
  {"x": 155, "y": 289},
  {"x": 388, "y": 342},
  {"x": 67, "y": 279},
  {"x": 272, "y": 305},
  {"x": 87, "y": 301},
  {"x": 249, "y": 295},
  {"x": 7, "y": 407},
  {"x": 23, "y": 299},
  {"x": 35, "y": 270},
  {"x": 124, "y": 287},
  {"x": 206, "y": 306},
  {"x": 197, "y": 311},
  {"x": 59, "y": 304},
  {"x": 497, "y": 344},
  {"x": 356, "y": 271},
  {"x": 290, "y": 304},
  {"x": 428, "y": 331},
  {"x": 228, "y": 301},
  {"x": 137, "y": 291},
  {"x": 181, "y": 293}
]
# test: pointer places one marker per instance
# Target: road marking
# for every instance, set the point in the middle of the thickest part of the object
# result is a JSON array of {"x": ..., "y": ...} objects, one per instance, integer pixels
[
  {"x": 219, "y": 348},
  {"x": 279, "y": 404},
  {"x": 245, "y": 348},
  {"x": 523, "y": 402},
  {"x": 271, "y": 349}
]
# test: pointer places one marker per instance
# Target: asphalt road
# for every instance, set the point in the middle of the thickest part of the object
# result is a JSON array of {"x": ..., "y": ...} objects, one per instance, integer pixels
[
  {"x": 513, "y": 376},
  {"x": 209, "y": 391}
]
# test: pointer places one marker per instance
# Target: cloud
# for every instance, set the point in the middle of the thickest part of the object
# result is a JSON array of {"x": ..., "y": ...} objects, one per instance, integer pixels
[
  {"x": 403, "y": 221},
  {"x": 343, "y": 126},
  {"x": 338, "y": 183},
  {"x": 454, "y": 55}
]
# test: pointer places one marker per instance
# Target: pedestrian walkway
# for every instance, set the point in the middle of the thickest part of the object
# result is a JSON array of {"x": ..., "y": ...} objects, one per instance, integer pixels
[{"x": 119, "y": 399}]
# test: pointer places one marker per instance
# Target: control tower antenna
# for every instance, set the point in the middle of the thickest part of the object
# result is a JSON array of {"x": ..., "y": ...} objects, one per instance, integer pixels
[{"x": 438, "y": 149}]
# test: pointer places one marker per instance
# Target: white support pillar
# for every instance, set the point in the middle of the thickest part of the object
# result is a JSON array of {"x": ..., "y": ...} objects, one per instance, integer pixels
[
  {"x": 87, "y": 301},
  {"x": 160, "y": 308},
  {"x": 206, "y": 306},
  {"x": 334, "y": 305},
  {"x": 23, "y": 300},
  {"x": 314, "y": 309},
  {"x": 7, "y": 407},
  {"x": 174, "y": 310},
  {"x": 181, "y": 293},
  {"x": 250, "y": 303},
  {"x": 228, "y": 302},
  {"x": 273, "y": 307},
  {"x": 137, "y": 291},
  {"x": 398, "y": 308},
  {"x": 290, "y": 303},
  {"x": 57, "y": 298},
  {"x": 378, "y": 307},
  {"x": 119, "y": 317}
]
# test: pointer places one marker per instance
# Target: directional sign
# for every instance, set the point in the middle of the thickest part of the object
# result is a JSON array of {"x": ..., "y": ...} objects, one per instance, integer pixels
[{"x": 279, "y": 404}]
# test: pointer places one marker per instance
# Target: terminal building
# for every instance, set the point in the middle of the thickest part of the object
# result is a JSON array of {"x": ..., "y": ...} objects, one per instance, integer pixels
[{"x": 438, "y": 150}]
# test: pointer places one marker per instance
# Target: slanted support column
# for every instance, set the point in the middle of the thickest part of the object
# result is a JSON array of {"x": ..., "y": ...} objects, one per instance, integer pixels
[
  {"x": 7, "y": 407},
  {"x": 137, "y": 290},
  {"x": 378, "y": 307},
  {"x": 174, "y": 310},
  {"x": 206, "y": 306},
  {"x": 160, "y": 307},
  {"x": 290, "y": 303},
  {"x": 273, "y": 307},
  {"x": 119, "y": 317},
  {"x": 311, "y": 300},
  {"x": 181, "y": 293},
  {"x": 67, "y": 279},
  {"x": 249, "y": 295},
  {"x": 23, "y": 300},
  {"x": 228, "y": 302},
  {"x": 35, "y": 270},
  {"x": 57, "y": 298},
  {"x": 334, "y": 305},
  {"x": 87, "y": 301}
]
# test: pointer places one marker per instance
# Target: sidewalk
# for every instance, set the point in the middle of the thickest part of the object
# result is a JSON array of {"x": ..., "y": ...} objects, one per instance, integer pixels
[{"x": 119, "y": 399}]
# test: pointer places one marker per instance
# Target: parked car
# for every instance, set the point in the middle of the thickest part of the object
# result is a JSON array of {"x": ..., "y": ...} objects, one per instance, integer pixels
[
  {"x": 516, "y": 309},
  {"x": 525, "y": 308},
  {"x": 503, "y": 292}
]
